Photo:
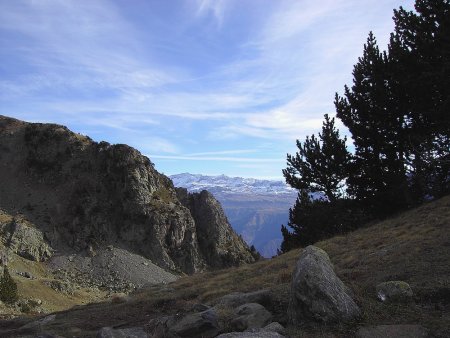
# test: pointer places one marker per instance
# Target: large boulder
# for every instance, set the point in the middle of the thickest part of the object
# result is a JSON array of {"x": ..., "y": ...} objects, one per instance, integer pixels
[
  {"x": 317, "y": 293},
  {"x": 250, "y": 316}
]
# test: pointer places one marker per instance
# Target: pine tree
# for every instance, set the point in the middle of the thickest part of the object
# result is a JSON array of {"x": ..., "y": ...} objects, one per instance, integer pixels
[
  {"x": 378, "y": 176},
  {"x": 419, "y": 55},
  {"x": 321, "y": 164},
  {"x": 8, "y": 288}
]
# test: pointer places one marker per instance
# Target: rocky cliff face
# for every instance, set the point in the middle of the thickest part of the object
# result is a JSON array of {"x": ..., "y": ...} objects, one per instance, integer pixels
[
  {"x": 219, "y": 244},
  {"x": 85, "y": 196}
]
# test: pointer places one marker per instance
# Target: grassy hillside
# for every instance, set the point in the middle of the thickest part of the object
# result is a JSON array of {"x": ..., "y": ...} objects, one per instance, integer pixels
[{"x": 413, "y": 247}]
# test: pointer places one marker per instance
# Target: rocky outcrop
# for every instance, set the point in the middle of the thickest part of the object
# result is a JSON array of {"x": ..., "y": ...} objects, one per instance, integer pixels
[
  {"x": 83, "y": 196},
  {"x": 219, "y": 244},
  {"x": 317, "y": 293},
  {"x": 20, "y": 237}
]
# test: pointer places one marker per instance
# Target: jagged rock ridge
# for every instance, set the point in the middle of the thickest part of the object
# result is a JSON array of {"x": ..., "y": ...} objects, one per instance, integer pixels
[{"x": 85, "y": 195}]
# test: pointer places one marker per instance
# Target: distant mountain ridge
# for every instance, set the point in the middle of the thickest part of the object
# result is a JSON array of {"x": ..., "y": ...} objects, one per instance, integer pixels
[
  {"x": 255, "y": 208},
  {"x": 225, "y": 184}
]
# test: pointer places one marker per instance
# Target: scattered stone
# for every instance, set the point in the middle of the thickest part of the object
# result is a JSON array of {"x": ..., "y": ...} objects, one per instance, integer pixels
[
  {"x": 250, "y": 316},
  {"x": 25, "y": 274},
  {"x": 133, "y": 332},
  {"x": 392, "y": 331},
  {"x": 236, "y": 299},
  {"x": 394, "y": 291},
  {"x": 61, "y": 286},
  {"x": 201, "y": 324},
  {"x": 317, "y": 293},
  {"x": 275, "y": 327}
]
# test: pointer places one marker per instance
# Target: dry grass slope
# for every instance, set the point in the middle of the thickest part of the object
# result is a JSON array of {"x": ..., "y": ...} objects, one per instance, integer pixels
[{"x": 413, "y": 247}]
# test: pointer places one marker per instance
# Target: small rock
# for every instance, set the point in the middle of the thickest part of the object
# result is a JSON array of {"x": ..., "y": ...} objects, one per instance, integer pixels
[
  {"x": 393, "y": 291},
  {"x": 250, "y": 316},
  {"x": 275, "y": 327},
  {"x": 25, "y": 274},
  {"x": 317, "y": 293},
  {"x": 202, "y": 324},
  {"x": 392, "y": 331}
]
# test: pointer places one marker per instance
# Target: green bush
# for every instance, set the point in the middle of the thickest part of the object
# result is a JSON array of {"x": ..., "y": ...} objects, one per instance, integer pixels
[{"x": 8, "y": 288}]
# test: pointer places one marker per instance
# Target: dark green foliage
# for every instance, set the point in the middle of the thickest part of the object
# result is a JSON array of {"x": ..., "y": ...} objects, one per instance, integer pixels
[
  {"x": 419, "y": 56},
  {"x": 8, "y": 288},
  {"x": 398, "y": 114},
  {"x": 398, "y": 111},
  {"x": 256, "y": 255},
  {"x": 378, "y": 176},
  {"x": 315, "y": 220},
  {"x": 321, "y": 164}
]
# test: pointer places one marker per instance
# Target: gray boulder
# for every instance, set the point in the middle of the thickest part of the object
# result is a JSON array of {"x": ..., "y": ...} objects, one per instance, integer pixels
[
  {"x": 317, "y": 293},
  {"x": 133, "y": 332},
  {"x": 201, "y": 324},
  {"x": 275, "y": 327},
  {"x": 394, "y": 291},
  {"x": 392, "y": 331},
  {"x": 250, "y": 316}
]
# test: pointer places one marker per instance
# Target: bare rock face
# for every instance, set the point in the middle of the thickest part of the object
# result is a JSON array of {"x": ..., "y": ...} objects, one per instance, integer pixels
[
  {"x": 84, "y": 196},
  {"x": 23, "y": 239},
  {"x": 220, "y": 245},
  {"x": 317, "y": 293}
]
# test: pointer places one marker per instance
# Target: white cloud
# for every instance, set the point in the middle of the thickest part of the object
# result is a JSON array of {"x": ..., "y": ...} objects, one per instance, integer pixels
[{"x": 214, "y": 7}]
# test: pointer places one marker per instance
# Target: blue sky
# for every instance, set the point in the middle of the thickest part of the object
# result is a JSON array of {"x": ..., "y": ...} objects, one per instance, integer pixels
[{"x": 211, "y": 87}]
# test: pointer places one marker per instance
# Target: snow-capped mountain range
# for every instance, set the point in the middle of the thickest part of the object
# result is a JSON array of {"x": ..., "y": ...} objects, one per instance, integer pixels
[{"x": 226, "y": 184}]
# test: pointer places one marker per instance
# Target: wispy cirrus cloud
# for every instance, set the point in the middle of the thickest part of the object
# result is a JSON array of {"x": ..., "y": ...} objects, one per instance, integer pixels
[{"x": 188, "y": 82}]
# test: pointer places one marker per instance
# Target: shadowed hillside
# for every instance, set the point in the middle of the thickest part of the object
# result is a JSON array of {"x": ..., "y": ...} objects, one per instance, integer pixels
[{"x": 413, "y": 247}]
